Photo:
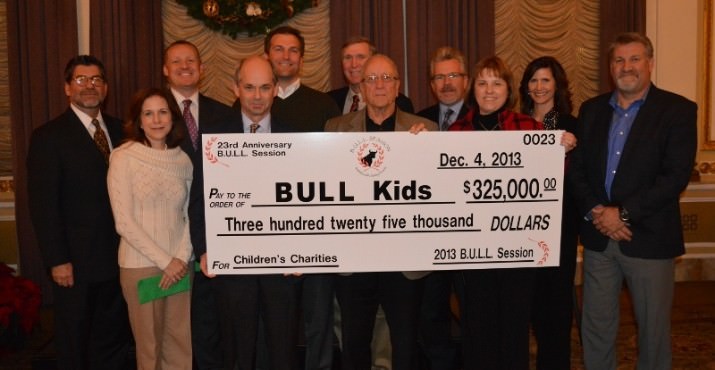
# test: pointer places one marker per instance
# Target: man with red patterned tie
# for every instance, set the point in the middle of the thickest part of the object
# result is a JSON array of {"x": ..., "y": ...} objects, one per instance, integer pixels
[{"x": 183, "y": 69}]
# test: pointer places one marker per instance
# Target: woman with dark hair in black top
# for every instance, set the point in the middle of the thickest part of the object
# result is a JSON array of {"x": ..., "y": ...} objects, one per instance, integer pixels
[{"x": 545, "y": 96}]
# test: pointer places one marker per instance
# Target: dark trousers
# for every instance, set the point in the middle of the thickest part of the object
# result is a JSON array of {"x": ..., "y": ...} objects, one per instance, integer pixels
[
  {"x": 552, "y": 307},
  {"x": 241, "y": 299},
  {"x": 359, "y": 296},
  {"x": 317, "y": 294},
  {"x": 496, "y": 321},
  {"x": 436, "y": 320},
  {"x": 91, "y": 326},
  {"x": 205, "y": 338}
]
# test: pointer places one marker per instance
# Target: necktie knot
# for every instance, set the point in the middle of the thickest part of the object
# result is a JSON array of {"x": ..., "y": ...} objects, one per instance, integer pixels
[
  {"x": 356, "y": 103},
  {"x": 191, "y": 125},
  {"x": 100, "y": 139},
  {"x": 254, "y": 127}
]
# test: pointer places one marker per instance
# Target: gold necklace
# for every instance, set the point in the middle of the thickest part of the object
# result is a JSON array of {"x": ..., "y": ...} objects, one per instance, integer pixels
[{"x": 497, "y": 126}]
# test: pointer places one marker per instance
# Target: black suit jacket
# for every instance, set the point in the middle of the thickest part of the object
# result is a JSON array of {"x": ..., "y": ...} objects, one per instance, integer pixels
[
  {"x": 654, "y": 168},
  {"x": 432, "y": 113},
  {"x": 68, "y": 198},
  {"x": 339, "y": 95},
  {"x": 214, "y": 117}
]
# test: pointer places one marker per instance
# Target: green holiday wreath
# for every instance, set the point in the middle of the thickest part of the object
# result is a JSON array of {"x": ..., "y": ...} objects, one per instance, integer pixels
[{"x": 233, "y": 17}]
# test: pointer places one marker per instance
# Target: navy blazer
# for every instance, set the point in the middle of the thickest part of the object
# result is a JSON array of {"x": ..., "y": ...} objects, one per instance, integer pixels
[
  {"x": 339, "y": 95},
  {"x": 654, "y": 169},
  {"x": 68, "y": 197}
]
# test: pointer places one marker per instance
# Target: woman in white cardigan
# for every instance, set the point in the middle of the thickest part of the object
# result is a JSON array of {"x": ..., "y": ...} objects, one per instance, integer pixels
[{"x": 149, "y": 180}]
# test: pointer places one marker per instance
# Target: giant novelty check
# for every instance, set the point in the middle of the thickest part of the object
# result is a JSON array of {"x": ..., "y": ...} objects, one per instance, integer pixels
[{"x": 352, "y": 202}]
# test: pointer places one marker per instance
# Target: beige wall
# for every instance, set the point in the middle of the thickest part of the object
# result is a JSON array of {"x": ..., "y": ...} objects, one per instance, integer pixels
[
  {"x": 676, "y": 29},
  {"x": 672, "y": 27}
]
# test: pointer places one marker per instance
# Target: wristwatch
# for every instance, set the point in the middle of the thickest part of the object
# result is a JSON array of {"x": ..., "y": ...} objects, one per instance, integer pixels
[{"x": 623, "y": 214}]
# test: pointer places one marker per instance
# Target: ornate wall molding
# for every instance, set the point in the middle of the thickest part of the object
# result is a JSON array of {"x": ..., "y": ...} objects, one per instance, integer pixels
[{"x": 220, "y": 53}]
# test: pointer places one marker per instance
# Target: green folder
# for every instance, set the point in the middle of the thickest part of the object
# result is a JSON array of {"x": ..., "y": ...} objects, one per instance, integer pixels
[{"x": 149, "y": 289}]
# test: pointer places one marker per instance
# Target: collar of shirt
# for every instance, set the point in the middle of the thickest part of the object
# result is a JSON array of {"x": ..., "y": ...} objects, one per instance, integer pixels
[
  {"x": 265, "y": 124},
  {"x": 288, "y": 91},
  {"x": 194, "y": 108},
  {"x": 387, "y": 125},
  {"x": 613, "y": 102},
  {"x": 87, "y": 122},
  {"x": 456, "y": 107},
  {"x": 349, "y": 101}
]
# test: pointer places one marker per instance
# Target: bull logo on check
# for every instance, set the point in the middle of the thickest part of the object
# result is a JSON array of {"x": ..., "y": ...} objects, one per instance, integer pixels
[
  {"x": 367, "y": 160},
  {"x": 370, "y": 156}
]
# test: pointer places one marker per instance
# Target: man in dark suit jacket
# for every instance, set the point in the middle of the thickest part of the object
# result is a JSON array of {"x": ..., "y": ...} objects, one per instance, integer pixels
[
  {"x": 399, "y": 294},
  {"x": 243, "y": 298},
  {"x": 449, "y": 81},
  {"x": 305, "y": 110},
  {"x": 72, "y": 217},
  {"x": 354, "y": 53},
  {"x": 635, "y": 153},
  {"x": 182, "y": 69}
]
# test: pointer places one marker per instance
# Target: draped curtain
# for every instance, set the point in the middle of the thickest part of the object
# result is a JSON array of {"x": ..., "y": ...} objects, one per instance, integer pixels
[
  {"x": 576, "y": 32},
  {"x": 128, "y": 40},
  {"x": 380, "y": 21},
  {"x": 42, "y": 37},
  {"x": 565, "y": 29},
  {"x": 5, "y": 139},
  {"x": 220, "y": 54},
  {"x": 464, "y": 24},
  {"x": 617, "y": 16}
]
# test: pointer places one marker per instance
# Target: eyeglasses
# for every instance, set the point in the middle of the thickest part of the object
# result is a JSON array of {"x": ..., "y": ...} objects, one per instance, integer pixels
[
  {"x": 97, "y": 81},
  {"x": 450, "y": 76},
  {"x": 386, "y": 78}
]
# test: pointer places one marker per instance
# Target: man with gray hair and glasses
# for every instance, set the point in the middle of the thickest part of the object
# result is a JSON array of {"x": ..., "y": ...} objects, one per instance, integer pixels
[{"x": 399, "y": 293}]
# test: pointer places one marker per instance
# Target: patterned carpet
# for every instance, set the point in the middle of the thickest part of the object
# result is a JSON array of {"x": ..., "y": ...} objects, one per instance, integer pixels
[{"x": 693, "y": 331}]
